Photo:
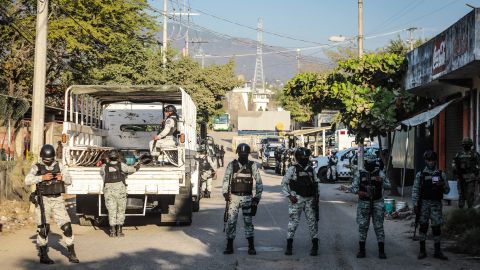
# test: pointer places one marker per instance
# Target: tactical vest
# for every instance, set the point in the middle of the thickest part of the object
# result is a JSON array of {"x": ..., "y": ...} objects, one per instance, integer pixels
[
  {"x": 51, "y": 187},
  {"x": 466, "y": 162},
  {"x": 174, "y": 130},
  {"x": 113, "y": 173},
  {"x": 204, "y": 164},
  {"x": 242, "y": 180},
  {"x": 431, "y": 191},
  {"x": 304, "y": 185},
  {"x": 370, "y": 186}
]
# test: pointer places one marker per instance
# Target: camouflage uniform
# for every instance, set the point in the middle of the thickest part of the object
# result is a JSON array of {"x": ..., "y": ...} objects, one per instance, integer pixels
[
  {"x": 116, "y": 193},
  {"x": 431, "y": 209},
  {"x": 367, "y": 208},
  {"x": 243, "y": 202},
  {"x": 305, "y": 204},
  {"x": 332, "y": 167},
  {"x": 206, "y": 173},
  {"x": 54, "y": 205},
  {"x": 466, "y": 166},
  {"x": 166, "y": 138}
]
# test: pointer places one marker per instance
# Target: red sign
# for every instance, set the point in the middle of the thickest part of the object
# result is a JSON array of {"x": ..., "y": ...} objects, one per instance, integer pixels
[{"x": 439, "y": 55}]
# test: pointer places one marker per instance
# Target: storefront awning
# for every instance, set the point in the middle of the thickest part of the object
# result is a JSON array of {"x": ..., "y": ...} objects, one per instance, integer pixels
[
  {"x": 309, "y": 131},
  {"x": 425, "y": 116}
]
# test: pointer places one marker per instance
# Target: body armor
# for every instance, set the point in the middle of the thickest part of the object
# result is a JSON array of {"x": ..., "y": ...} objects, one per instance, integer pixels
[
  {"x": 430, "y": 189},
  {"x": 204, "y": 164},
  {"x": 242, "y": 181},
  {"x": 113, "y": 173},
  {"x": 304, "y": 185},
  {"x": 466, "y": 163},
  {"x": 52, "y": 187},
  {"x": 370, "y": 186},
  {"x": 174, "y": 130}
]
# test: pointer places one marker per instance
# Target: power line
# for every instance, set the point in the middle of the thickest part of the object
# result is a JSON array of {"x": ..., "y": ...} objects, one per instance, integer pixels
[{"x": 399, "y": 14}]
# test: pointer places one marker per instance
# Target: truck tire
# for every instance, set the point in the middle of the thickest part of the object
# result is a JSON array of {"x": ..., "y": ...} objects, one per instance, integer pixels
[
  {"x": 322, "y": 174},
  {"x": 196, "y": 204}
]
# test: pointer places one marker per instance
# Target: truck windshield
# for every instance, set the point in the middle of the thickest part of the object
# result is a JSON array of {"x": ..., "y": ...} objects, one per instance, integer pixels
[
  {"x": 140, "y": 127},
  {"x": 221, "y": 119}
]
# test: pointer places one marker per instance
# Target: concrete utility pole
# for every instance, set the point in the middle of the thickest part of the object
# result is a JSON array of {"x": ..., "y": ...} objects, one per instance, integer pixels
[
  {"x": 39, "y": 77},
  {"x": 298, "y": 61},
  {"x": 360, "y": 55},
  {"x": 165, "y": 37},
  {"x": 360, "y": 28},
  {"x": 410, "y": 36}
]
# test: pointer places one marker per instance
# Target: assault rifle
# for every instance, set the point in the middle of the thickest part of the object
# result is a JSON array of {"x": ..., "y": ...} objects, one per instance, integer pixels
[
  {"x": 227, "y": 203},
  {"x": 417, "y": 211},
  {"x": 316, "y": 203},
  {"x": 38, "y": 200}
]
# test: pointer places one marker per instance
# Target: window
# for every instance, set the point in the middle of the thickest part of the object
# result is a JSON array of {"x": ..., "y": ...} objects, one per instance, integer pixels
[{"x": 140, "y": 127}]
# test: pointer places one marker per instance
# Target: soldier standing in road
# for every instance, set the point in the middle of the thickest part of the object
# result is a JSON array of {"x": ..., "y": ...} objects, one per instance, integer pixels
[
  {"x": 466, "y": 167},
  {"x": 238, "y": 191},
  {"x": 167, "y": 137},
  {"x": 222, "y": 156},
  {"x": 428, "y": 189},
  {"x": 301, "y": 186},
  {"x": 207, "y": 173},
  {"x": 368, "y": 184},
  {"x": 332, "y": 166},
  {"x": 50, "y": 179},
  {"x": 115, "y": 191}
]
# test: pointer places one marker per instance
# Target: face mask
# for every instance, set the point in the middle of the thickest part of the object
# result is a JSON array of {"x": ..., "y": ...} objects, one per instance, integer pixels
[
  {"x": 47, "y": 162},
  {"x": 369, "y": 166},
  {"x": 431, "y": 165},
  {"x": 243, "y": 157},
  {"x": 303, "y": 161},
  {"x": 467, "y": 148}
]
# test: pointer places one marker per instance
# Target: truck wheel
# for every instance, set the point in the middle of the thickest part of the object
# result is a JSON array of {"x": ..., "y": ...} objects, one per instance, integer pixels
[
  {"x": 196, "y": 204},
  {"x": 322, "y": 174}
]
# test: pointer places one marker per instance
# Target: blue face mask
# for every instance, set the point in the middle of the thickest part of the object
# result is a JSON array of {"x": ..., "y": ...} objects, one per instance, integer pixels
[{"x": 431, "y": 165}]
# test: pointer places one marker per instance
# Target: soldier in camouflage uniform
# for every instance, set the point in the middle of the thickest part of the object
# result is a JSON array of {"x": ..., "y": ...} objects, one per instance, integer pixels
[
  {"x": 50, "y": 177},
  {"x": 428, "y": 189},
  {"x": 332, "y": 166},
  {"x": 207, "y": 174},
  {"x": 368, "y": 184},
  {"x": 301, "y": 186},
  {"x": 466, "y": 167},
  {"x": 238, "y": 190},
  {"x": 115, "y": 191}
]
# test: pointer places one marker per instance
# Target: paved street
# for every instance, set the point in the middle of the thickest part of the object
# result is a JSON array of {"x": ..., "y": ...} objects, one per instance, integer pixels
[{"x": 200, "y": 246}]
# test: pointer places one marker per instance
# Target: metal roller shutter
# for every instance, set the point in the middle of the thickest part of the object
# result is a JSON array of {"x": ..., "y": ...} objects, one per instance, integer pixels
[{"x": 453, "y": 133}]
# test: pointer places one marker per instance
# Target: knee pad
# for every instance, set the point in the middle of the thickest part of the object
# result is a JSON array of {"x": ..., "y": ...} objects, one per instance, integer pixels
[
  {"x": 43, "y": 230},
  {"x": 423, "y": 228},
  {"x": 67, "y": 229},
  {"x": 436, "y": 230}
]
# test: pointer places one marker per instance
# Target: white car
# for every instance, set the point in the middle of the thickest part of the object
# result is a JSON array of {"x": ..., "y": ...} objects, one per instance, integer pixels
[{"x": 344, "y": 172}]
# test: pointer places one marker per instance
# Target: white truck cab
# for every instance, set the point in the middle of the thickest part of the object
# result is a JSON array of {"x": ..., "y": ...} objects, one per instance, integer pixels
[{"x": 99, "y": 118}]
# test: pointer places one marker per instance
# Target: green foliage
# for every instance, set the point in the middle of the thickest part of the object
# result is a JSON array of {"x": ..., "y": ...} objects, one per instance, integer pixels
[
  {"x": 102, "y": 42},
  {"x": 367, "y": 91}
]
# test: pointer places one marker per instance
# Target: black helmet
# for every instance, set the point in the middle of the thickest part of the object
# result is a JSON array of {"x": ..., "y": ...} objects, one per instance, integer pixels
[
  {"x": 467, "y": 142},
  {"x": 113, "y": 155},
  {"x": 170, "y": 108},
  {"x": 146, "y": 159},
  {"x": 430, "y": 155},
  {"x": 243, "y": 148},
  {"x": 47, "y": 152},
  {"x": 302, "y": 153}
]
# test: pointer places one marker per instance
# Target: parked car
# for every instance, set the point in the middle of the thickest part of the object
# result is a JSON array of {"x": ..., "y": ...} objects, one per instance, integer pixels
[
  {"x": 268, "y": 156},
  {"x": 272, "y": 140},
  {"x": 345, "y": 159}
]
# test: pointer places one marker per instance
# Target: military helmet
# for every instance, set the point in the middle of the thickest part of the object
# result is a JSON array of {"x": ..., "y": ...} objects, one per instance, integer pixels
[
  {"x": 335, "y": 150},
  {"x": 467, "y": 142},
  {"x": 170, "y": 108},
  {"x": 302, "y": 152},
  {"x": 47, "y": 152},
  {"x": 430, "y": 155},
  {"x": 113, "y": 154},
  {"x": 243, "y": 148}
]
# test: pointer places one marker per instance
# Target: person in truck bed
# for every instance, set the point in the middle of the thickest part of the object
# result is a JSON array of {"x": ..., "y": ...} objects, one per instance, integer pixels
[{"x": 166, "y": 138}]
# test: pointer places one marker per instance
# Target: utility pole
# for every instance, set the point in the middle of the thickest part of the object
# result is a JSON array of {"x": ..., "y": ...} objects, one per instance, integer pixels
[
  {"x": 360, "y": 55},
  {"x": 165, "y": 37},
  {"x": 360, "y": 28},
  {"x": 39, "y": 77},
  {"x": 410, "y": 36}
]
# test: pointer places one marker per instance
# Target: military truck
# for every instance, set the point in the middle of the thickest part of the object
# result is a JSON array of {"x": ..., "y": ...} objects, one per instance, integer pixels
[{"x": 99, "y": 118}]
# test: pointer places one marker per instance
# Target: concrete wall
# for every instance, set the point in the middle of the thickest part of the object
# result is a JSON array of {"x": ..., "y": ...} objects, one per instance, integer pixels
[{"x": 266, "y": 120}]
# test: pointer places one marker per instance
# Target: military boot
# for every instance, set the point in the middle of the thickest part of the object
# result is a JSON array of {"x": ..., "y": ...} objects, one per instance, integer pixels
[
  {"x": 438, "y": 253},
  {"x": 120, "y": 231},
  {"x": 381, "y": 250},
  {"x": 229, "y": 249},
  {"x": 288, "y": 251},
  {"x": 72, "y": 257},
  {"x": 207, "y": 194},
  {"x": 361, "y": 251},
  {"x": 113, "y": 232},
  {"x": 314, "y": 250},
  {"x": 423, "y": 251},
  {"x": 251, "y": 246},
  {"x": 44, "y": 255}
]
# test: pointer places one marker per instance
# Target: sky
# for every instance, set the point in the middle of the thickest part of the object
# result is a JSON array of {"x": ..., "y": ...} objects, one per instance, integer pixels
[{"x": 310, "y": 23}]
